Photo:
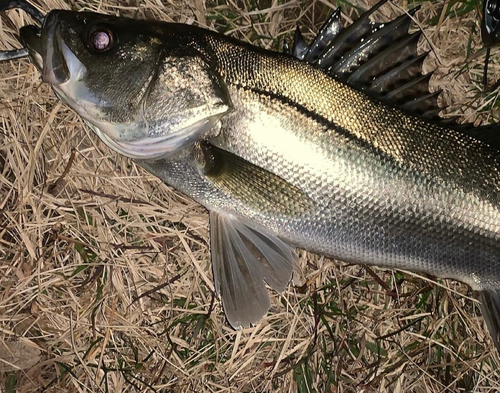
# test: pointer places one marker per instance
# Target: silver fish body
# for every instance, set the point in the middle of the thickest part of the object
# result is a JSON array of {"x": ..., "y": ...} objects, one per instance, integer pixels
[
  {"x": 386, "y": 188},
  {"x": 284, "y": 155},
  {"x": 380, "y": 187}
]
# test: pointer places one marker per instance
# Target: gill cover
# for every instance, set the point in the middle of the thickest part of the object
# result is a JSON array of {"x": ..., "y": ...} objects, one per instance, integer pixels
[{"x": 183, "y": 102}]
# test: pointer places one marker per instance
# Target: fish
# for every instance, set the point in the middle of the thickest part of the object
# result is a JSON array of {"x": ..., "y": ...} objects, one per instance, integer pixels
[{"x": 326, "y": 147}]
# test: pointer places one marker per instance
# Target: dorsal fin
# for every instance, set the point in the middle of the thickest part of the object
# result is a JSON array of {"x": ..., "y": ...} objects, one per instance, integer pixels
[
  {"x": 349, "y": 38},
  {"x": 325, "y": 36},
  {"x": 379, "y": 59},
  {"x": 382, "y": 61}
]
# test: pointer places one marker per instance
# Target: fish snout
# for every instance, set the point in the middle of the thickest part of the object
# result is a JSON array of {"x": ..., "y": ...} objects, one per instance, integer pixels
[
  {"x": 45, "y": 49},
  {"x": 55, "y": 69}
]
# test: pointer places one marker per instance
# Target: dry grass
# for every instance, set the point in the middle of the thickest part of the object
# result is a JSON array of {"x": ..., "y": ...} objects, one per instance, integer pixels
[{"x": 105, "y": 279}]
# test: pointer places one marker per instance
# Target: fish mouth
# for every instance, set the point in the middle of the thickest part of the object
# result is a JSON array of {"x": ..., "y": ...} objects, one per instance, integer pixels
[{"x": 46, "y": 49}]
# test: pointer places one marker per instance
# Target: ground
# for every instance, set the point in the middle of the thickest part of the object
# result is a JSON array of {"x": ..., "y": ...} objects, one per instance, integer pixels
[{"x": 105, "y": 278}]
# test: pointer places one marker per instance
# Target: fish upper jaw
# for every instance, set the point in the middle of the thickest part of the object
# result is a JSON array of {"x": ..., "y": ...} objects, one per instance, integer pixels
[
  {"x": 58, "y": 65},
  {"x": 55, "y": 69},
  {"x": 46, "y": 48},
  {"x": 30, "y": 37}
]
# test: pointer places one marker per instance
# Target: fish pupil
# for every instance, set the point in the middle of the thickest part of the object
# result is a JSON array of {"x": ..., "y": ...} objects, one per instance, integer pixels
[{"x": 101, "y": 40}]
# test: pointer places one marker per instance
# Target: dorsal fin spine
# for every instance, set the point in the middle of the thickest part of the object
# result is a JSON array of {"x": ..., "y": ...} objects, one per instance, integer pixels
[{"x": 373, "y": 57}]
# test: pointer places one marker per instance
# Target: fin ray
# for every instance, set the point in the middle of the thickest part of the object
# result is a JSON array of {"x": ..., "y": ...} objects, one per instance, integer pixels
[
  {"x": 411, "y": 90},
  {"x": 300, "y": 46},
  {"x": 378, "y": 41},
  {"x": 348, "y": 37},
  {"x": 330, "y": 29},
  {"x": 490, "y": 307},
  {"x": 387, "y": 60},
  {"x": 375, "y": 58},
  {"x": 401, "y": 74},
  {"x": 260, "y": 188},
  {"x": 243, "y": 258}
]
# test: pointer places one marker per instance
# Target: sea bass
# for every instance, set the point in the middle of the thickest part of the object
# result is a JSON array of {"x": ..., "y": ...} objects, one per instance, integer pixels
[{"x": 282, "y": 153}]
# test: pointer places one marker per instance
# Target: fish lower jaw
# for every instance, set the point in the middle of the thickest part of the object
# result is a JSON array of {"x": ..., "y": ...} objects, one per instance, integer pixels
[
  {"x": 146, "y": 148},
  {"x": 153, "y": 148}
]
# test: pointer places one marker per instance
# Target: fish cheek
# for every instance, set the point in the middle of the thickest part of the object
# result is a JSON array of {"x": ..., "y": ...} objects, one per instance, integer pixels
[
  {"x": 119, "y": 79},
  {"x": 185, "y": 92}
]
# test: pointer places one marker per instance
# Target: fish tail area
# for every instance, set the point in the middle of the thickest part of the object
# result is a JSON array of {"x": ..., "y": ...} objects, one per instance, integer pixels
[
  {"x": 490, "y": 307},
  {"x": 243, "y": 258}
]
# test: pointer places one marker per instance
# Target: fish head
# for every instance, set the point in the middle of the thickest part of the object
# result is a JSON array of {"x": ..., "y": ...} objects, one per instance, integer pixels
[{"x": 143, "y": 89}]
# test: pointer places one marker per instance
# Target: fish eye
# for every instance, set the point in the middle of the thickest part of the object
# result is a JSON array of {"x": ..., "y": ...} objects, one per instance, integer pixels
[{"x": 101, "y": 39}]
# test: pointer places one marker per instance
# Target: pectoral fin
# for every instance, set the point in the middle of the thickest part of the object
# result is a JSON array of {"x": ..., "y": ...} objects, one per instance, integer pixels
[
  {"x": 243, "y": 258},
  {"x": 260, "y": 189},
  {"x": 490, "y": 307}
]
